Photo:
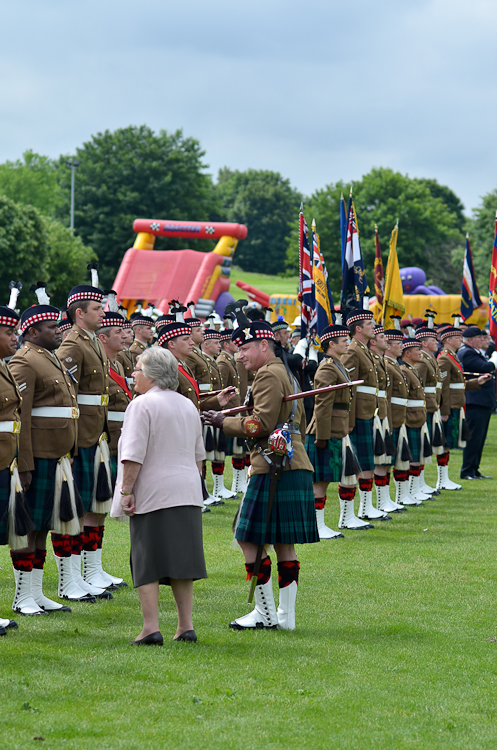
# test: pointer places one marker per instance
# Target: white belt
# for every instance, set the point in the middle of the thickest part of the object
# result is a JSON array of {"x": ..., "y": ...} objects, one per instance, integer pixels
[
  {"x": 115, "y": 416},
  {"x": 203, "y": 387},
  {"x": 60, "y": 412},
  {"x": 439, "y": 385},
  {"x": 11, "y": 426},
  {"x": 129, "y": 382},
  {"x": 412, "y": 403},
  {"x": 398, "y": 401},
  {"x": 382, "y": 394},
  {"x": 430, "y": 389},
  {"x": 367, "y": 389},
  {"x": 87, "y": 400},
  {"x": 457, "y": 386}
]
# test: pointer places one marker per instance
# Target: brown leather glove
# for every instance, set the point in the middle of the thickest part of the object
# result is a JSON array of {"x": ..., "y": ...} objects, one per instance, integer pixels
[
  {"x": 320, "y": 444},
  {"x": 214, "y": 418}
]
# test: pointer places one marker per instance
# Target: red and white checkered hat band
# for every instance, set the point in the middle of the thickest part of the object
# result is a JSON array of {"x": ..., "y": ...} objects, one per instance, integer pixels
[
  {"x": 246, "y": 335},
  {"x": 180, "y": 330},
  {"x": 410, "y": 343},
  {"x": 10, "y": 322},
  {"x": 426, "y": 333},
  {"x": 212, "y": 335},
  {"x": 450, "y": 332},
  {"x": 96, "y": 296},
  {"x": 359, "y": 316},
  {"x": 37, "y": 319},
  {"x": 394, "y": 334},
  {"x": 65, "y": 324}
]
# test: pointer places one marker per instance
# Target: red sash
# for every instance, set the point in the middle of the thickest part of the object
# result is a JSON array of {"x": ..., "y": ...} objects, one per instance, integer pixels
[
  {"x": 121, "y": 382},
  {"x": 192, "y": 380},
  {"x": 455, "y": 361}
]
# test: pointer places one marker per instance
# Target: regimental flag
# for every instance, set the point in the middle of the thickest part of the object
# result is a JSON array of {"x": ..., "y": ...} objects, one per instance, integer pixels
[
  {"x": 379, "y": 284},
  {"x": 343, "y": 227},
  {"x": 306, "y": 281},
  {"x": 354, "y": 281},
  {"x": 492, "y": 290},
  {"x": 325, "y": 309},
  {"x": 393, "y": 302},
  {"x": 470, "y": 296}
]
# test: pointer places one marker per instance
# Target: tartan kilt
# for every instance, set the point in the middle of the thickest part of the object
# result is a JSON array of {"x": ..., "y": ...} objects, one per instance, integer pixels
[
  {"x": 395, "y": 441},
  {"x": 362, "y": 439},
  {"x": 4, "y": 505},
  {"x": 451, "y": 427},
  {"x": 41, "y": 493},
  {"x": 83, "y": 471},
  {"x": 293, "y": 516},
  {"x": 327, "y": 463},
  {"x": 113, "y": 468},
  {"x": 414, "y": 438},
  {"x": 236, "y": 447}
]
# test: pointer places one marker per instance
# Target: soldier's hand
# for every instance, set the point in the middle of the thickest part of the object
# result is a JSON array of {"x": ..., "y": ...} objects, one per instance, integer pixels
[
  {"x": 226, "y": 395},
  {"x": 26, "y": 478},
  {"x": 483, "y": 378},
  {"x": 320, "y": 444},
  {"x": 214, "y": 418},
  {"x": 444, "y": 419}
]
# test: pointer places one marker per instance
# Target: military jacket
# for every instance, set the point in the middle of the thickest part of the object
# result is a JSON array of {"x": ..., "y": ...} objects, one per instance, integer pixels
[
  {"x": 246, "y": 379},
  {"x": 216, "y": 379},
  {"x": 429, "y": 373},
  {"x": 118, "y": 401},
  {"x": 330, "y": 418},
  {"x": 453, "y": 383},
  {"x": 229, "y": 375},
  {"x": 87, "y": 363},
  {"x": 44, "y": 382},
  {"x": 186, "y": 388},
  {"x": 125, "y": 358},
  {"x": 397, "y": 389},
  {"x": 197, "y": 363},
  {"x": 10, "y": 411},
  {"x": 415, "y": 414},
  {"x": 270, "y": 386},
  {"x": 136, "y": 348},
  {"x": 360, "y": 365},
  {"x": 382, "y": 375}
]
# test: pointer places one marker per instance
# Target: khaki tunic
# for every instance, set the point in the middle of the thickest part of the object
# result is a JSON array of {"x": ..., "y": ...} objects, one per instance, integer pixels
[
  {"x": 229, "y": 375},
  {"x": 118, "y": 401},
  {"x": 10, "y": 411},
  {"x": 453, "y": 398},
  {"x": 186, "y": 389},
  {"x": 415, "y": 415},
  {"x": 88, "y": 364},
  {"x": 397, "y": 388},
  {"x": 136, "y": 348},
  {"x": 125, "y": 358},
  {"x": 44, "y": 381},
  {"x": 330, "y": 418},
  {"x": 270, "y": 386},
  {"x": 246, "y": 379},
  {"x": 382, "y": 376},
  {"x": 429, "y": 373},
  {"x": 215, "y": 374},
  {"x": 197, "y": 364},
  {"x": 360, "y": 365}
]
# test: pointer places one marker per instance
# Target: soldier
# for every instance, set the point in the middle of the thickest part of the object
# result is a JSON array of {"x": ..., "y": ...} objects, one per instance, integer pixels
[
  {"x": 10, "y": 426},
  {"x": 453, "y": 400},
  {"x": 359, "y": 364},
  {"x": 429, "y": 372},
  {"x": 327, "y": 438},
  {"x": 292, "y": 520},
  {"x": 196, "y": 362},
  {"x": 84, "y": 356},
  {"x": 125, "y": 357},
  {"x": 112, "y": 334},
  {"x": 143, "y": 332},
  {"x": 47, "y": 442},
  {"x": 229, "y": 375},
  {"x": 65, "y": 326}
]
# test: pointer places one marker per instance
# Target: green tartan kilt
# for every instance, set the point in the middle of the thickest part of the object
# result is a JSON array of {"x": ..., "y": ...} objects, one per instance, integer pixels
[
  {"x": 414, "y": 438},
  {"x": 395, "y": 441},
  {"x": 451, "y": 427},
  {"x": 327, "y": 463},
  {"x": 293, "y": 517},
  {"x": 240, "y": 446},
  {"x": 40, "y": 496},
  {"x": 4, "y": 505},
  {"x": 362, "y": 439},
  {"x": 83, "y": 471}
]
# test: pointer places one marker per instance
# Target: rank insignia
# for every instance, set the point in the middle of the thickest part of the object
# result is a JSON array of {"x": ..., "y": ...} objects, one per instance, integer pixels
[{"x": 253, "y": 427}]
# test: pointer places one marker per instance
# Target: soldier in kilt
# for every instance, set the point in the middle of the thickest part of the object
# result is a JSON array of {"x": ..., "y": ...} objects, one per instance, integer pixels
[
  {"x": 124, "y": 357},
  {"x": 229, "y": 375},
  {"x": 292, "y": 520},
  {"x": 327, "y": 435},
  {"x": 47, "y": 442},
  {"x": 429, "y": 373},
  {"x": 143, "y": 333},
  {"x": 10, "y": 426}
]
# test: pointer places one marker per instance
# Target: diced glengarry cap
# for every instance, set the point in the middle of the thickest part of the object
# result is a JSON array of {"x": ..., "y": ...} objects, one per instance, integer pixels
[
  {"x": 410, "y": 343},
  {"x": 8, "y": 315},
  {"x": 334, "y": 332},
  {"x": 356, "y": 316},
  {"x": 211, "y": 333},
  {"x": 378, "y": 329},
  {"x": 37, "y": 314},
  {"x": 65, "y": 325},
  {"x": 113, "y": 320},
  {"x": 225, "y": 334},
  {"x": 393, "y": 334},
  {"x": 426, "y": 333},
  {"x": 142, "y": 320},
  {"x": 173, "y": 331},
  {"x": 450, "y": 331},
  {"x": 164, "y": 320},
  {"x": 280, "y": 324}
]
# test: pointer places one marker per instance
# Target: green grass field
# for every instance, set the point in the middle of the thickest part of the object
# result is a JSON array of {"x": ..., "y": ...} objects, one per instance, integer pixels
[
  {"x": 268, "y": 284},
  {"x": 395, "y": 647}
]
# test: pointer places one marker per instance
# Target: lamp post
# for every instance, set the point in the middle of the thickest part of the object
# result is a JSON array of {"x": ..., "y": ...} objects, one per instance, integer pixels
[{"x": 73, "y": 164}]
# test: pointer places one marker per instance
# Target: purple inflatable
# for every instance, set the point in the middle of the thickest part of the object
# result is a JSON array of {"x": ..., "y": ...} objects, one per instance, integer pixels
[{"x": 414, "y": 282}]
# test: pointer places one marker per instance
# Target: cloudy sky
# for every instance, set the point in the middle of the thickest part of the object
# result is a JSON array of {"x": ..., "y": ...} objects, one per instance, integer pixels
[{"x": 320, "y": 90}]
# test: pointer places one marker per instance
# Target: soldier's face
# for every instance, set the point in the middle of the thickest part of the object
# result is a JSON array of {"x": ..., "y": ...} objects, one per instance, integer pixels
[
  {"x": 367, "y": 328},
  {"x": 253, "y": 354},
  {"x": 211, "y": 347},
  {"x": 128, "y": 336},
  {"x": 197, "y": 335},
  {"x": 341, "y": 345},
  {"x": 430, "y": 344},
  {"x": 91, "y": 320},
  {"x": 230, "y": 347},
  {"x": 181, "y": 347},
  {"x": 283, "y": 337},
  {"x": 414, "y": 354},
  {"x": 394, "y": 349},
  {"x": 49, "y": 336},
  {"x": 381, "y": 342},
  {"x": 8, "y": 341}
]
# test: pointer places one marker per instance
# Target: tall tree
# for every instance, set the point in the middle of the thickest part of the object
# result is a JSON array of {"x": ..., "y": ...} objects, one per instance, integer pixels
[
  {"x": 482, "y": 230},
  {"x": 130, "y": 173},
  {"x": 32, "y": 181},
  {"x": 266, "y": 203},
  {"x": 66, "y": 261}
]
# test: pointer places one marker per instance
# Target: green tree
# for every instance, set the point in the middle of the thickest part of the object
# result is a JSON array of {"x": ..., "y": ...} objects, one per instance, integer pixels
[
  {"x": 66, "y": 262},
  {"x": 131, "y": 173},
  {"x": 32, "y": 181},
  {"x": 266, "y": 203},
  {"x": 482, "y": 232},
  {"x": 429, "y": 235}
]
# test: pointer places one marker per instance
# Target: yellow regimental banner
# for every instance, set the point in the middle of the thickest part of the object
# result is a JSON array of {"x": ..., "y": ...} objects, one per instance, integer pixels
[{"x": 393, "y": 301}]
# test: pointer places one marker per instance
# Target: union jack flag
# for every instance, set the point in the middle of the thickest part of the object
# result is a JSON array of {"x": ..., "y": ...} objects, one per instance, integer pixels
[
  {"x": 306, "y": 281},
  {"x": 470, "y": 296}
]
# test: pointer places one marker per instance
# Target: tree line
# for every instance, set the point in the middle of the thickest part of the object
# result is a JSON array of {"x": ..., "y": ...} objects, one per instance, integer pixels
[{"x": 134, "y": 172}]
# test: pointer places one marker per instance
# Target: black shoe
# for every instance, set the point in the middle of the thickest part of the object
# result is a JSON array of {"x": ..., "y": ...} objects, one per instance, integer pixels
[
  {"x": 12, "y": 625},
  {"x": 3, "y": 631},
  {"x": 188, "y": 635},
  {"x": 481, "y": 476},
  {"x": 154, "y": 639},
  {"x": 469, "y": 476}
]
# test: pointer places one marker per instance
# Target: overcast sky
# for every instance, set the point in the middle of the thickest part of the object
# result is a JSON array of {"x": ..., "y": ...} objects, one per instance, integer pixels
[{"x": 320, "y": 90}]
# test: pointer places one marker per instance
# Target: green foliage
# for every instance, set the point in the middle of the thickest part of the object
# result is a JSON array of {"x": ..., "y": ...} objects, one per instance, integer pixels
[
  {"x": 266, "y": 203},
  {"x": 135, "y": 173},
  {"x": 32, "y": 181},
  {"x": 429, "y": 225},
  {"x": 66, "y": 262},
  {"x": 482, "y": 232}
]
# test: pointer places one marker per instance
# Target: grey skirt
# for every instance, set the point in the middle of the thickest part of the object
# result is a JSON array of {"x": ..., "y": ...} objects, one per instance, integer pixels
[{"x": 167, "y": 544}]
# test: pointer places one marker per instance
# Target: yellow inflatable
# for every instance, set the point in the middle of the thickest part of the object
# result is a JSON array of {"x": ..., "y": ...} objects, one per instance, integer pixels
[{"x": 445, "y": 305}]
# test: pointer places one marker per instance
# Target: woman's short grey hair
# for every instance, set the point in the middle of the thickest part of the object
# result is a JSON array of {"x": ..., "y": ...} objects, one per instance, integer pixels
[{"x": 160, "y": 366}]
